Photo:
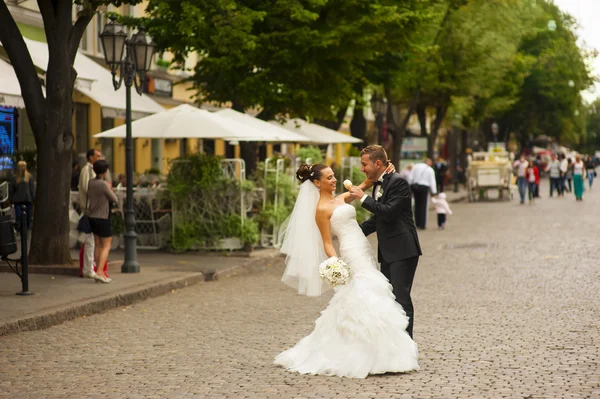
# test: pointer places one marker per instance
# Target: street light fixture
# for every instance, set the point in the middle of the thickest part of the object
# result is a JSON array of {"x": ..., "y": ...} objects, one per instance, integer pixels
[
  {"x": 379, "y": 105},
  {"x": 138, "y": 52}
]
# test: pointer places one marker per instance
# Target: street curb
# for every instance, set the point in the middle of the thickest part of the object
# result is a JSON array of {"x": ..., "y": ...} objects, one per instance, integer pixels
[
  {"x": 61, "y": 314},
  {"x": 253, "y": 265}
]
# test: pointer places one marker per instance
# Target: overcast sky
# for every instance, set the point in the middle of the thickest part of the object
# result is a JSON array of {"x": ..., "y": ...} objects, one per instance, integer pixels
[{"x": 587, "y": 13}]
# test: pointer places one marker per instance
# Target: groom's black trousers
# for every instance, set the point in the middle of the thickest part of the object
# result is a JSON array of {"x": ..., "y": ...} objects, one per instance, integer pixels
[{"x": 401, "y": 274}]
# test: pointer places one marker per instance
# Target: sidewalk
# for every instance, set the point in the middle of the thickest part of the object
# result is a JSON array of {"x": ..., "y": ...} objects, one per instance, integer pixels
[{"x": 63, "y": 296}]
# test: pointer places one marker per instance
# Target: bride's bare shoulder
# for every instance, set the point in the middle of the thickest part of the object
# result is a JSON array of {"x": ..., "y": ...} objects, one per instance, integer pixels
[{"x": 325, "y": 208}]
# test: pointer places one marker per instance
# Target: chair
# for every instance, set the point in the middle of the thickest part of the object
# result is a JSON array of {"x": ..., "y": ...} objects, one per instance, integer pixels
[{"x": 5, "y": 208}]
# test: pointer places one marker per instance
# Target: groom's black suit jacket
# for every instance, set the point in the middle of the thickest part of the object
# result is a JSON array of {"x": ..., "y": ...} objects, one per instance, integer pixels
[{"x": 392, "y": 220}]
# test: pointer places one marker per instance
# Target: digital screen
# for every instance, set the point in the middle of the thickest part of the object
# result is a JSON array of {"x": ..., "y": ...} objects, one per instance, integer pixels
[{"x": 7, "y": 137}]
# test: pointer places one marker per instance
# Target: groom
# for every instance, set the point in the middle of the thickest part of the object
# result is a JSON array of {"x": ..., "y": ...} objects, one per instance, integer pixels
[{"x": 398, "y": 244}]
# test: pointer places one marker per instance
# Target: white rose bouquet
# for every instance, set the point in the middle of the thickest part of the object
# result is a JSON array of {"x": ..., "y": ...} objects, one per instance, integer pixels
[{"x": 334, "y": 272}]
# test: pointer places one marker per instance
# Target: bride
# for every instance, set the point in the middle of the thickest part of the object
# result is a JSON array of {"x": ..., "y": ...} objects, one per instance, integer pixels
[{"x": 363, "y": 329}]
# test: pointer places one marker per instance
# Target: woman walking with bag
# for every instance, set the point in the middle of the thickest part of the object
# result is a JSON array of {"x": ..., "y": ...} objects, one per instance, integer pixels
[
  {"x": 99, "y": 198},
  {"x": 23, "y": 193},
  {"x": 578, "y": 175}
]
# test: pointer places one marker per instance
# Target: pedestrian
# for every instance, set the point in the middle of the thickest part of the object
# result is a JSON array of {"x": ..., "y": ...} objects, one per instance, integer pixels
[
  {"x": 532, "y": 173},
  {"x": 553, "y": 168},
  {"x": 87, "y": 174},
  {"x": 538, "y": 168},
  {"x": 569, "y": 176},
  {"x": 440, "y": 173},
  {"x": 75, "y": 173},
  {"x": 422, "y": 184},
  {"x": 406, "y": 173},
  {"x": 578, "y": 175},
  {"x": 590, "y": 168},
  {"x": 563, "y": 173},
  {"x": 442, "y": 209},
  {"x": 520, "y": 167},
  {"x": 23, "y": 193},
  {"x": 100, "y": 198}
]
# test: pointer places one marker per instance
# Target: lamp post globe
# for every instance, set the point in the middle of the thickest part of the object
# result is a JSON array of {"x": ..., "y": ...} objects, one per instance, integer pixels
[
  {"x": 143, "y": 50},
  {"x": 113, "y": 40}
]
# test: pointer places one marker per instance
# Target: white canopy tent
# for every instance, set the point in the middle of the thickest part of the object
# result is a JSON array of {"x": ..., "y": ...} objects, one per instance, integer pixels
[
  {"x": 317, "y": 134},
  {"x": 186, "y": 121},
  {"x": 94, "y": 81},
  {"x": 279, "y": 133},
  {"x": 10, "y": 90}
]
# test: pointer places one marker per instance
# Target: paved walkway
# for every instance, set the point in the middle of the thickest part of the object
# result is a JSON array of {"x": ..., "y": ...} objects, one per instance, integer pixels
[
  {"x": 59, "y": 297},
  {"x": 506, "y": 302}
]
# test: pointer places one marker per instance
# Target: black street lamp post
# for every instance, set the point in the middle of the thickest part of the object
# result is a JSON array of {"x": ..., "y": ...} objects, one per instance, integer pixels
[{"x": 138, "y": 52}]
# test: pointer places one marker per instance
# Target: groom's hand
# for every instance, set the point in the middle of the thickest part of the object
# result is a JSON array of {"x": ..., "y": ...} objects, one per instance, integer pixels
[{"x": 356, "y": 192}]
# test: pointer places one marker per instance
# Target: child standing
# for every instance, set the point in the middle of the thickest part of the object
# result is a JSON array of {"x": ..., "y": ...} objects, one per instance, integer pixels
[
  {"x": 532, "y": 180},
  {"x": 442, "y": 208}
]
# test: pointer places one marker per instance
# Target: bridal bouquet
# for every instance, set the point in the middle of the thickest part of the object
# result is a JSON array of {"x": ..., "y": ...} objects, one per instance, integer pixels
[{"x": 334, "y": 272}]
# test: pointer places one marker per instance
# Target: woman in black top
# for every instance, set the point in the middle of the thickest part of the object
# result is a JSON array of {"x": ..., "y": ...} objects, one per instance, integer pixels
[{"x": 23, "y": 193}]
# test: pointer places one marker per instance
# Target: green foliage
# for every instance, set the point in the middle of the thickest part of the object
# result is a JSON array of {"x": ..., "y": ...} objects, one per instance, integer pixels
[
  {"x": 293, "y": 57},
  {"x": 117, "y": 224},
  {"x": 162, "y": 63},
  {"x": 312, "y": 152},
  {"x": 282, "y": 190},
  {"x": 354, "y": 151},
  {"x": 549, "y": 99},
  {"x": 206, "y": 204},
  {"x": 362, "y": 214}
]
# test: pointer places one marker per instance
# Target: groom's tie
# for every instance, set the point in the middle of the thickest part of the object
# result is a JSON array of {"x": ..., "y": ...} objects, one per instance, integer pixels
[{"x": 375, "y": 187}]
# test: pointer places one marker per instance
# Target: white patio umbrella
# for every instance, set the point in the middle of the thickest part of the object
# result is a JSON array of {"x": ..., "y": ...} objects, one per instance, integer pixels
[
  {"x": 186, "y": 121},
  {"x": 279, "y": 133},
  {"x": 316, "y": 133}
]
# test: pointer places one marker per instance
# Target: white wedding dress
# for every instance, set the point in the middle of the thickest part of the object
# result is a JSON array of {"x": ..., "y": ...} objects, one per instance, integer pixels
[{"x": 363, "y": 330}]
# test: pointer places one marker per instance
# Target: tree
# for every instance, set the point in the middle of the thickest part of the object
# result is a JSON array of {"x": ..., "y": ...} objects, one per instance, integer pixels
[
  {"x": 289, "y": 58},
  {"x": 478, "y": 44},
  {"x": 549, "y": 99},
  {"x": 50, "y": 116}
]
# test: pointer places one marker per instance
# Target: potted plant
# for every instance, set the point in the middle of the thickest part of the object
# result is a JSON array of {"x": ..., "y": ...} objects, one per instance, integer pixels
[{"x": 118, "y": 229}]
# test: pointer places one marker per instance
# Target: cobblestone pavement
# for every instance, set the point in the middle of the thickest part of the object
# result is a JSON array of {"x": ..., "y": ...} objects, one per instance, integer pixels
[{"x": 506, "y": 299}]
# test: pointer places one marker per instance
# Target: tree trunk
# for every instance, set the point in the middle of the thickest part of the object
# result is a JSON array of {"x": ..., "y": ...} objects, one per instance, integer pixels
[
  {"x": 358, "y": 125},
  {"x": 248, "y": 149},
  {"x": 50, "y": 120},
  {"x": 398, "y": 127},
  {"x": 333, "y": 125},
  {"x": 440, "y": 114},
  {"x": 50, "y": 238}
]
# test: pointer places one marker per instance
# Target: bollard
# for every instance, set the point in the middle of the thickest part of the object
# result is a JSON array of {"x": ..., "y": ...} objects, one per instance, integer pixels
[{"x": 24, "y": 254}]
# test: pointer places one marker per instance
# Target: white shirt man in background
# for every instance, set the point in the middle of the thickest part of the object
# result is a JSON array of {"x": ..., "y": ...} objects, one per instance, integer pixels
[
  {"x": 87, "y": 174},
  {"x": 422, "y": 183}
]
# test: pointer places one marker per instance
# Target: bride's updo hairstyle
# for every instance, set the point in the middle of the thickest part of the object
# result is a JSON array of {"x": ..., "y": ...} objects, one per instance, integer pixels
[{"x": 310, "y": 172}]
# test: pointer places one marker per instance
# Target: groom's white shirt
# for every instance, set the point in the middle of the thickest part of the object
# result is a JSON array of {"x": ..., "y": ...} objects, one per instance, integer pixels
[{"x": 376, "y": 192}]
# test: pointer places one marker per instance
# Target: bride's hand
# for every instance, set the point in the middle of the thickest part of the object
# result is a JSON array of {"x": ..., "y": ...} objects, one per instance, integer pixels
[{"x": 391, "y": 168}]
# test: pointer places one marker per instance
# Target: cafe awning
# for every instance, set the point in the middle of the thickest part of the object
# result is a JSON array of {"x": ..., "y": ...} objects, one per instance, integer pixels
[
  {"x": 10, "y": 90},
  {"x": 95, "y": 82},
  {"x": 316, "y": 133}
]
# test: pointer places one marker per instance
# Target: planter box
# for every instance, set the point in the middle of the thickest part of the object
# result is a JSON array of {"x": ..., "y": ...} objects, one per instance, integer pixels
[{"x": 230, "y": 243}]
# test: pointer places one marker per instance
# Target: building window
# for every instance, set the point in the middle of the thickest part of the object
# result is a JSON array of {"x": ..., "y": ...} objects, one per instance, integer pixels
[{"x": 100, "y": 22}]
